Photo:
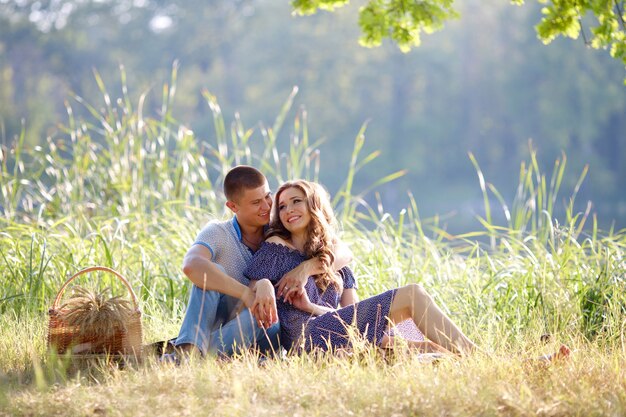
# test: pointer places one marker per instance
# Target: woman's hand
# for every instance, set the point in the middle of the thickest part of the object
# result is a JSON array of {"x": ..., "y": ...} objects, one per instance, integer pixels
[
  {"x": 301, "y": 301},
  {"x": 293, "y": 282}
]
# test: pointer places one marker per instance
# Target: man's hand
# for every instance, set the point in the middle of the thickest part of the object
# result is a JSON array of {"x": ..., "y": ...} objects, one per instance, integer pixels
[
  {"x": 292, "y": 283},
  {"x": 264, "y": 306},
  {"x": 343, "y": 255}
]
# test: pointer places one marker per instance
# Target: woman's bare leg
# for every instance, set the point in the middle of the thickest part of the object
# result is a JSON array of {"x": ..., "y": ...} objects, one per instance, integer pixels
[
  {"x": 413, "y": 302},
  {"x": 425, "y": 346}
]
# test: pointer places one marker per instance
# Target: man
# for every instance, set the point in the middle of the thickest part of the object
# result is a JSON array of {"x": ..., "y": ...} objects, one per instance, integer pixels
[{"x": 215, "y": 321}]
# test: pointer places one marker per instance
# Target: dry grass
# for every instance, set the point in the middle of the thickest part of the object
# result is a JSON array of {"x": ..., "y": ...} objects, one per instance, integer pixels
[
  {"x": 96, "y": 312},
  {"x": 592, "y": 382},
  {"x": 500, "y": 382}
]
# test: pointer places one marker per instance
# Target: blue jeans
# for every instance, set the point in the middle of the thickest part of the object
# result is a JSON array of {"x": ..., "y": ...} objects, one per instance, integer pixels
[{"x": 208, "y": 325}]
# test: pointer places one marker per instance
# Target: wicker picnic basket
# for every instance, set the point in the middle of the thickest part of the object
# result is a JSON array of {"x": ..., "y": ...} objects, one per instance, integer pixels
[{"x": 124, "y": 340}]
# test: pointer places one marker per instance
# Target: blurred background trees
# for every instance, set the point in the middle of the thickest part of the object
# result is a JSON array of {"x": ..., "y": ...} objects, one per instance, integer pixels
[{"x": 484, "y": 85}]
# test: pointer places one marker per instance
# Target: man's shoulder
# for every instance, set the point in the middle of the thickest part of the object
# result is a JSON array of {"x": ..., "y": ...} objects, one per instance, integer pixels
[
  {"x": 218, "y": 225},
  {"x": 215, "y": 229}
]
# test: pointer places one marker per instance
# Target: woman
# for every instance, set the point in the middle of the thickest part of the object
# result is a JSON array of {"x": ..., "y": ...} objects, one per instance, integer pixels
[
  {"x": 304, "y": 226},
  {"x": 325, "y": 313}
]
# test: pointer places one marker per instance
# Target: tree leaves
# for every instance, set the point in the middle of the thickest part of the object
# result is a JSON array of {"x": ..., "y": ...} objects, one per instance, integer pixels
[
  {"x": 605, "y": 19},
  {"x": 403, "y": 21},
  {"x": 400, "y": 20}
]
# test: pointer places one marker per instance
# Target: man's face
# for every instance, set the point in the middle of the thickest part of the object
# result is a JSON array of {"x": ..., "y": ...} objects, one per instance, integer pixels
[{"x": 253, "y": 206}]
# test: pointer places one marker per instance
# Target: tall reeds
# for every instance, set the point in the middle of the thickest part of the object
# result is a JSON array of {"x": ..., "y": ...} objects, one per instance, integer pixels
[{"x": 122, "y": 188}]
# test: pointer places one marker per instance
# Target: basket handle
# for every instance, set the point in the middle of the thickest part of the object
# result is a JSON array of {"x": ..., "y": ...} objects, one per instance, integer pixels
[{"x": 91, "y": 269}]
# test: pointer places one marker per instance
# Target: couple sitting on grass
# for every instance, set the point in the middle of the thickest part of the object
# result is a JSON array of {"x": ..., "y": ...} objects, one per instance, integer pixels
[{"x": 292, "y": 277}]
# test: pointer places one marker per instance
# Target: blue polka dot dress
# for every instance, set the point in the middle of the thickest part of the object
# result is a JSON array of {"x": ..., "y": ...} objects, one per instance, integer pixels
[{"x": 300, "y": 329}]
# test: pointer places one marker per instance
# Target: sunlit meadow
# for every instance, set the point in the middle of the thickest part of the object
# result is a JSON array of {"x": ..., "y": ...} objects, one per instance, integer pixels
[{"x": 128, "y": 191}]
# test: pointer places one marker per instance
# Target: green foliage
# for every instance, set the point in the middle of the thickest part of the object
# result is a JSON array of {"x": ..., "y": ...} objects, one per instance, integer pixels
[
  {"x": 126, "y": 190},
  {"x": 403, "y": 20},
  {"x": 131, "y": 190},
  {"x": 532, "y": 228},
  {"x": 535, "y": 200},
  {"x": 307, "y": 7},
  {"x": 567, "y": 18}
]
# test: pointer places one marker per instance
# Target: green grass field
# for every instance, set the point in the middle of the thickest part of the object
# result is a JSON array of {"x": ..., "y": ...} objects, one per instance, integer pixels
[{"x": 130, "y": 192}]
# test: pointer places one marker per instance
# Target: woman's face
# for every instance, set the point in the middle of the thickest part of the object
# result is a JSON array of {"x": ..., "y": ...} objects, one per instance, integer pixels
[{"x": 293, "y": 210}]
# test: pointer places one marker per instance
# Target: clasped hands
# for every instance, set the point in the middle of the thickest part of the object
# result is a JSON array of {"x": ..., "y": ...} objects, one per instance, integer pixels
[{"x": 290, "y": 287}]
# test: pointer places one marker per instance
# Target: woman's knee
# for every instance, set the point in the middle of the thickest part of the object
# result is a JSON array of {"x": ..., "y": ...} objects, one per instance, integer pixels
[
  {"x": 417, "y": 292},
  {"x": 408, "y": 301}
]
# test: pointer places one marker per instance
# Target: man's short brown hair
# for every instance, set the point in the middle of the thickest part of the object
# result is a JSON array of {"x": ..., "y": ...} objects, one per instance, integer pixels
[{"x": 241, "y": 178}]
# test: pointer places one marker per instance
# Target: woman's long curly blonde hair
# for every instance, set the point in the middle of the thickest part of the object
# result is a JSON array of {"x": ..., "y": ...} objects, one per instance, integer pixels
[{"x": 321, "y": 230}]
